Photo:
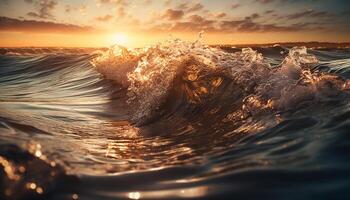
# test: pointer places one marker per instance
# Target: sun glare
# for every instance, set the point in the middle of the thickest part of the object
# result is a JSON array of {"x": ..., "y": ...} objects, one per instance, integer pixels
[{"x": 120, "y": 38}]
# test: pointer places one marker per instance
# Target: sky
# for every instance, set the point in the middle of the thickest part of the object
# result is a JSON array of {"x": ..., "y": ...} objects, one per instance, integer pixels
[{"x": 138, "y": 23}]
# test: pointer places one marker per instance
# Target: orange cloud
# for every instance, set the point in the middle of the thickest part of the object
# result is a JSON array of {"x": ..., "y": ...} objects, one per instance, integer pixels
[
  {"x": 173, "y": 14},
  {"x": 16, "y": 25}
]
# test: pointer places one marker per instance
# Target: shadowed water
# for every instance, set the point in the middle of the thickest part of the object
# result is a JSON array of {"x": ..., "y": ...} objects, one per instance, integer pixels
[{"x": 176, "y": 120}]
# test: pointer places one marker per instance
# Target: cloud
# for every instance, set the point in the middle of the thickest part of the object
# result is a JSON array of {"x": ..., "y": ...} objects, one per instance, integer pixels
[
  {"x": 182, "y": 6},
  {"x": 206, "y": 25},
  {"x": 195, "y": 8},
  {"x": 199, "y": 20},
  {"x": 193, "y": 23},
  {"x": 196, "y": 18},
  {"x": 104, "y": 18},
  {"x": 32, "y": 14},
  {"x": 253, "y": 16},
  {"x": 235, "y": 5},
  {"x": 120, "y": 6},
  {"x": 269, "y": 11},
  {"x": 117, "y": 2},
  {"x": 16, "y": 25},
  {"x": 284, "y": 1},
  {"x": 82, "y": 9},
  {"x": 221, "y": 15},
  {"x": 248, "y": 25},
  {"x": 308, "y": 13},
  {"x": 346, "y": 12},
  {"x": 167, "y": 2},
  {"x": 190, "y": 8},
  {"x": 171, "y": 14},
  {"x": 265, "y": 1},
  {"x": 67, "y": 8},
  {"x": 215, "y": 23},
  {"x": 121, "y": 12},
  {"x": 44, "y": 9}
]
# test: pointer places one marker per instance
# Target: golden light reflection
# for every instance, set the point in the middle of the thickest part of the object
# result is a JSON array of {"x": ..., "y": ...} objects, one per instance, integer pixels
[
  {"x": 193, "y": 192},
  {"x": 134, "y": 195},
  {"x": 35, "y": 149},
  {"x": 75, "y": 196},
  {"x": 39, "y": 190},
  {"x": 119, "y": 149},
  {"x": 31, "y": 186},
  {"x": 9, "y": 169}
]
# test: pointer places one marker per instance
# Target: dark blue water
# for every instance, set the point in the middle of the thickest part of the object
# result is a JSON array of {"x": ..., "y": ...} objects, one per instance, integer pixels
[{"x": 173, "y": 122}]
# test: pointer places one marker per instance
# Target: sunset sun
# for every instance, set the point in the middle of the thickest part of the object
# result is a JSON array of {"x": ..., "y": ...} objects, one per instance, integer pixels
[{"x": 120, "y": 39}]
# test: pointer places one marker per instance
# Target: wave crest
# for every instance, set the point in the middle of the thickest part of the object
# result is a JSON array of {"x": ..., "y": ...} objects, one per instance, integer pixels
[{"x": 196, "y": 71}]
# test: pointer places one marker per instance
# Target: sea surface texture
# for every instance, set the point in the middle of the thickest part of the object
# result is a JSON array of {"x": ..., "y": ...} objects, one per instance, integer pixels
[{"x": 176, "y": 120}]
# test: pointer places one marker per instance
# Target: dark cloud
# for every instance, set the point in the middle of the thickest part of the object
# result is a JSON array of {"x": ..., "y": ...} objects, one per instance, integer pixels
[
  {"x": 193, "y": 23},
  {"x": 221, "y": 15},
  {"x": 44, "y": 8},
  {"x": 171, "y": 14},
  {"x": 16, "y": 25},
  {"x": 248, "y": 25},
  {"x": 269, "y": 11},
  {"x": 264, "y": 1},
  {"x": 282, "y": 1},
  {"x": 308, "y": 13},
  {"x": 346, "y": 12},
  {"x": 320, "y": 14},
  {"x": 32, "y": 14},
  {"x": 253, "y": 16},
  {"x": 104, "y": 18},
  {"x": 251, "y": 23},
  {"x": 196, "y": 18}
]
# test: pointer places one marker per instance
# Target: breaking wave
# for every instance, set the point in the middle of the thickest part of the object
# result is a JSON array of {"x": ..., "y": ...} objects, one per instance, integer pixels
[{"x": 176, "y": 73}]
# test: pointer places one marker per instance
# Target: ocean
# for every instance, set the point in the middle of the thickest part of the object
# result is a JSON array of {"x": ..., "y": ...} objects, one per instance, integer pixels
[{"x": 177, "y": 120}]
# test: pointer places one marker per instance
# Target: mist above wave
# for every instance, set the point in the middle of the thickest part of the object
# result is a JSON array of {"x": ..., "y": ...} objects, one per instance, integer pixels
[{"x": 198, "y": 71}]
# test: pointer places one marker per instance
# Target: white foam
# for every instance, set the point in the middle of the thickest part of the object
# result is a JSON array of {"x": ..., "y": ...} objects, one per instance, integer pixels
[{"x": 149, "y": 74}]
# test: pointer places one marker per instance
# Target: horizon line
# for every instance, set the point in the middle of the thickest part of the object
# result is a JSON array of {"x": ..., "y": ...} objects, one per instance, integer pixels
[{"x": 228, "y": 44}]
